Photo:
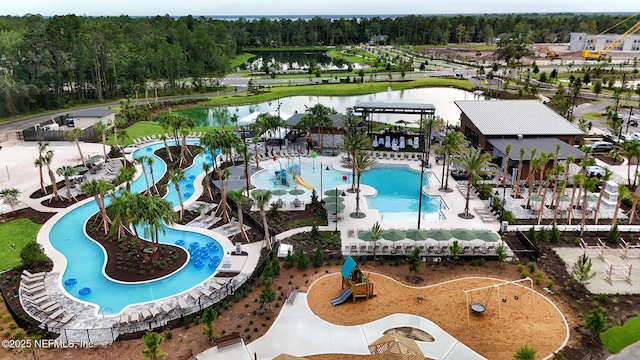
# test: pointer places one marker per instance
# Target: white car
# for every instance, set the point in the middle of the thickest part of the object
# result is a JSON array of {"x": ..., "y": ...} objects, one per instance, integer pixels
[
  {"x": 595, "y": 171},
  {"x": 635, "y": 136}
]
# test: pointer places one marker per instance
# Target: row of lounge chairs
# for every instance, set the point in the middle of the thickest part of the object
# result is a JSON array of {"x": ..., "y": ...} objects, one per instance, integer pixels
[
  {"x": 32, "y": 286},
  {"x": 282, "y": 153},
  {"x": 433, "y": 250},
  {"x": 392, "y": 155},
  {"x": 485, "y": 215}
]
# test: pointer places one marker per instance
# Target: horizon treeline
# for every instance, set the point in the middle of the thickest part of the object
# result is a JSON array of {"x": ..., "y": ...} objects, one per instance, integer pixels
[{"x": 59, "y": 61}]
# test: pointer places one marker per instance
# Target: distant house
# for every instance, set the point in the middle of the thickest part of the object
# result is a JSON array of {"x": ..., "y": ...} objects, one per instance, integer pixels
[
  {"x": 86, "y": 118},
  {"x": 525, "y": 124},
  {"x": 376, "y": 39}
]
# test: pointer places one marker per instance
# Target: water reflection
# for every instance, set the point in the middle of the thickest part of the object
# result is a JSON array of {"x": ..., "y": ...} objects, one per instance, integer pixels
[
  {"x": 294, "y": 60},
  {"x": 441, "y": 98}
]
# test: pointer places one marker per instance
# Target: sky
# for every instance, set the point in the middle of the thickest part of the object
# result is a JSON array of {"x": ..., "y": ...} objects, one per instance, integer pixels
[{"x": 306, "y": 7}]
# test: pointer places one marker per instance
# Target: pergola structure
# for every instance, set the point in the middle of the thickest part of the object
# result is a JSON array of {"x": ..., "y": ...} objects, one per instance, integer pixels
[{"x": 366, "y": 108}]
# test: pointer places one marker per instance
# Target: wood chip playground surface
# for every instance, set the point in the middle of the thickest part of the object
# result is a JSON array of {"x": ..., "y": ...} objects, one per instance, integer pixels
[{"x": 495, "y": 334}]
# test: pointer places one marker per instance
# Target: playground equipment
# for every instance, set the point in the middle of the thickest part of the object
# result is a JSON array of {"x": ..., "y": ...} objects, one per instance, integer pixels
[
  {"x": 629, "y": 251},
  {"x": 600, "y": 246},
  {"x": 303, "y": 183},
  {"x": 611, "y": 270},
  {"x": 354, "y": 283},
  {"x": 479, "y": 308}
]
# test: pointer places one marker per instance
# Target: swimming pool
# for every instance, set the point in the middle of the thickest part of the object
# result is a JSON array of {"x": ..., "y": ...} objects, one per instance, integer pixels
[
  {"x": 85, "y": 259},
  {"x": 396, "y": 184}
]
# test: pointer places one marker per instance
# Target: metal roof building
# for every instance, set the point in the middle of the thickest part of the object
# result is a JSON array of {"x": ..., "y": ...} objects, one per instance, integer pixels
[{"x": 516, "y": 117}]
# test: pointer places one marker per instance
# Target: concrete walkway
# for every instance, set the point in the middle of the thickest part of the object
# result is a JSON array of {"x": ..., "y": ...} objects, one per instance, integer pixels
[
  {"x": 631, "y": 352},
  {"x": 300, "y": 332}
]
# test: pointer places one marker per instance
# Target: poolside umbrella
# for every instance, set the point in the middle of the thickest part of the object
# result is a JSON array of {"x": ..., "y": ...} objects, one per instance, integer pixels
[
  {"x": 288, "y": 357},
  {"x": 463, "y": 234},
  {"x": 417, "y": 235},
  {"x": 535, "y": 197},
  {"x": 439, "y": 235},
  {"x": 562, "y": 198},
  {"x": 366, "y": 235},
  {"x": 333, "y": 192},
  {"x": 487, "y": 236},
  {"x": 94, "y": 159},
  {"x": 393, "y": 235},
  {"x": 334, "y": 206},
  {"x": 279, "y": 192},
  {"x": 296, "y": 192},
  {"x": 396, "y": 347},
  {"x": 333, "y": 200}
]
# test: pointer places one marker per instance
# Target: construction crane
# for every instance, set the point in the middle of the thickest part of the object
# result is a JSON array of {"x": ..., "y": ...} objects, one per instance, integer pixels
[
  {"x": 550, "y": 54},
  {"x": 600, "y": 53}
]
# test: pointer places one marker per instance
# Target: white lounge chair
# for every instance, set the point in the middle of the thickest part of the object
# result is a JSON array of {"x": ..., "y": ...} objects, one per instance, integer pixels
[
  {"x": 166, "y": 308},
  {"x": 67, "y": 318},
  {"x": 56, "y": 314},
  {"x": 27, "y": 273},
  {"x": 146, "y": 314},
  {"x": 124, "y": 319},
  {"x": 195, "y": 295},
  {"x": 183, "y": 304},
  {"x": 154, "y": 311}
]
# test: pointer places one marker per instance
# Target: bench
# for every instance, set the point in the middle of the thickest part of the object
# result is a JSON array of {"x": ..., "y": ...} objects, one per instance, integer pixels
[
  {"x": 228, "y": 340},
  {"x": 292, "y": 296}
]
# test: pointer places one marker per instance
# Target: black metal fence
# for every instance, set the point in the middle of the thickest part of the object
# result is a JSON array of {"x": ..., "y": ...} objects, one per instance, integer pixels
[
  {"x": 529, "y": 249},
  {"x": 37, "y": 133}
]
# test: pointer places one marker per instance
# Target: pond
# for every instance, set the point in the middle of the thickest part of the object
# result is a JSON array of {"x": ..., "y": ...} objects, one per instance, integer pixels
[
  {"x": 294, "y": 61},
  {"x": 441, "y": 98}
]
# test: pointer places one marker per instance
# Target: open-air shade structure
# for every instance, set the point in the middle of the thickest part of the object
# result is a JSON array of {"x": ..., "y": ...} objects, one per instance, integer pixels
[
  {"x": 334, "y": 206},
  {"x": 393, "y": 235}
]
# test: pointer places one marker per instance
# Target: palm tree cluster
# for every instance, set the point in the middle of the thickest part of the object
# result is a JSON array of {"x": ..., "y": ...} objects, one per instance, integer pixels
[{"x": 473, "y": 162}]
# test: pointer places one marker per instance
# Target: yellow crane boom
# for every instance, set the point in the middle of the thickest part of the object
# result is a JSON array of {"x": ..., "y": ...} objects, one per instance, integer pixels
[{"x": 598, "y": 54}]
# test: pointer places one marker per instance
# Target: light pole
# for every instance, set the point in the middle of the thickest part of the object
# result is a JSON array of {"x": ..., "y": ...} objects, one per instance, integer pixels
[
  {"x": 336, "y": 220},
  {"x": 444, "y": 162},
  {"x": 246, "y": 160},
  {"x": 321, "y": 193}
]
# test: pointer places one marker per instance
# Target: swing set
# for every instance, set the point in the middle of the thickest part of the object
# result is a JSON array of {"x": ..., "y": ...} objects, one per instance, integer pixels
[{"x": 479, "y": 307}]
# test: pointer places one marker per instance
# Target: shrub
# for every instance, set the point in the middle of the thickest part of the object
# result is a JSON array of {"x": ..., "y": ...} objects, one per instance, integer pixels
[
  {"x": 532, "y": 267},
  {"x": 596, "y": 321},
  {"x": 289, "y": 261},
  {"x": 18, "y": 335},
  {"x": 613, "y": 237},
  {"x": 520, "y": 267},
  {"x": 554, "y": 235},
  {"x": 32, "y": 253},
  {"x": 317, "y": 258},
  {"x": 539, "y": 276},
  {"x": 303, "y": 260},
  {"x": 550, "y": 284},
  {"x": 524, "y": 274},
  {"x": 13, "y": 326},
  {"x": 542, "y": 236},
  {"x": 509, "y": 217},
  {"x": 6, "y": 333}
]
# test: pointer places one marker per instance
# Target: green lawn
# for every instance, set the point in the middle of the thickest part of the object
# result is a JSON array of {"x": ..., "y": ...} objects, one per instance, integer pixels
[
  {"x": 334, "y": 90},
  {"x": 292, "y": 48},
  {"x": 619, "y": 337},
  {"x": 145, "y": 128},
  {"x": 241, "y": 59},
  {"x": 458, "y": 46},
  {"x": 593, "y": 116},
  {"x": 18, "y": 232}
]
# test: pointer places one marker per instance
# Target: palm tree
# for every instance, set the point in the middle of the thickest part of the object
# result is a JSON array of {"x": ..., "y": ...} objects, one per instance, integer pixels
[
  {"x": 525, "y": 353},
  {"x": 623, "y": 193},
  {"x": 152, "y": 343},
  {"x": 175, "y": 176},
  {"x": 350, "y": 122},
  {"x": 360, "y": 163},
  {"x": 577, "y": 181},
  {"x": 142, "y": 160},
  {"x": 99, "y": 189},
  {"x": 507, "y": 151},
  {"x": 473, "y": 162},
  {"x": 223, "y": 175},
  {"x": 262, "y": 198},
  {"x": 121, "y": 210},
  {"x": 155, "y": 212},
  {"x": 239, "y": 199},
  {"x": 39, "y": 163},
  {"x": 260, "y": 126},
  {"x": 452, "y": 144},
  {"x": 211, "y": 140},
  {"x": 47, "y": 159},
  {"x": 9, "y": 197},
  {"x": 352, "y": 145},
  {"x": 376, "y": 235},
  {"x": 121, "y": 136},
  {"x": 126, "y": 175},
  {"x": 561, "y": 186},
  {"x": 102, "y": 129},
  {"x": 588, "y": 184},
  {"x": 166, "y": 147},
  {"x": 533, "y": 165},
  {"x": 207, "y": 178},
  {"x": 67, "y": 171},
  {"x": 544, "y": 160},
  {"x": 520, "y": 162},
  {"x": 635, "y": 196},
  {"x": 320, "y": 115},
  {"x": 149, "y": 161},
  {"x": 74, "y": 135},
  {"x": 184, "y": 150},
  {"x": 629, "y": 149},
  {"x": 118, "y": 122},
  {"x": 607, "y": 175}
]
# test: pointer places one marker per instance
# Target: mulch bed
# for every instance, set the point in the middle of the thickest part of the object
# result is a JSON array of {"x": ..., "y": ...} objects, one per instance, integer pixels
[
  {"x": 129, "y": 263},
  {"x": 35, "y": 216},
  {"x": 49, "y": 189},
  {"x": 62, "y": 202}
]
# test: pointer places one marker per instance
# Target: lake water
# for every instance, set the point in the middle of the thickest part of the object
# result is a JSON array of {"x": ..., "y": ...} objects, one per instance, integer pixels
[
  {"x": 441, "y": 98},
  {"x": 294, "y": 60}
]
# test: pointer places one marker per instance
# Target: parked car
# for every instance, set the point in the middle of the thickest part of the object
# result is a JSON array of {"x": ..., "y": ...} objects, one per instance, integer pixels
[
  {"x": 633, "y": 123},
  {"x": 635, "y": 136},
  {"x": 609, "y": 138},
  {"x": 625, "y": 137},
  {"x": 601, "y": 146},
  {"x": 595, "y": 171}
]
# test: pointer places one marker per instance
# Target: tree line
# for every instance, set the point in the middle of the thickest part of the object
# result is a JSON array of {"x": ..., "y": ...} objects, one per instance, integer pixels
[{"x": 49, "y": 63}]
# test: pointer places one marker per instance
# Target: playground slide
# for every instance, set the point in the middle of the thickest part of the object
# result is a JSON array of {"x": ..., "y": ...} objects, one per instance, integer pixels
[
  {"x": 344, "y": 296},
  {"x": 303, "y": 183}
]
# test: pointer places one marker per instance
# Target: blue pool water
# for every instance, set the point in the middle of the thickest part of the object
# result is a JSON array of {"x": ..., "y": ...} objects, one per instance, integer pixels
[
  {"x": 85, "y": 259},
  {"x": 396, "y": 185}
]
